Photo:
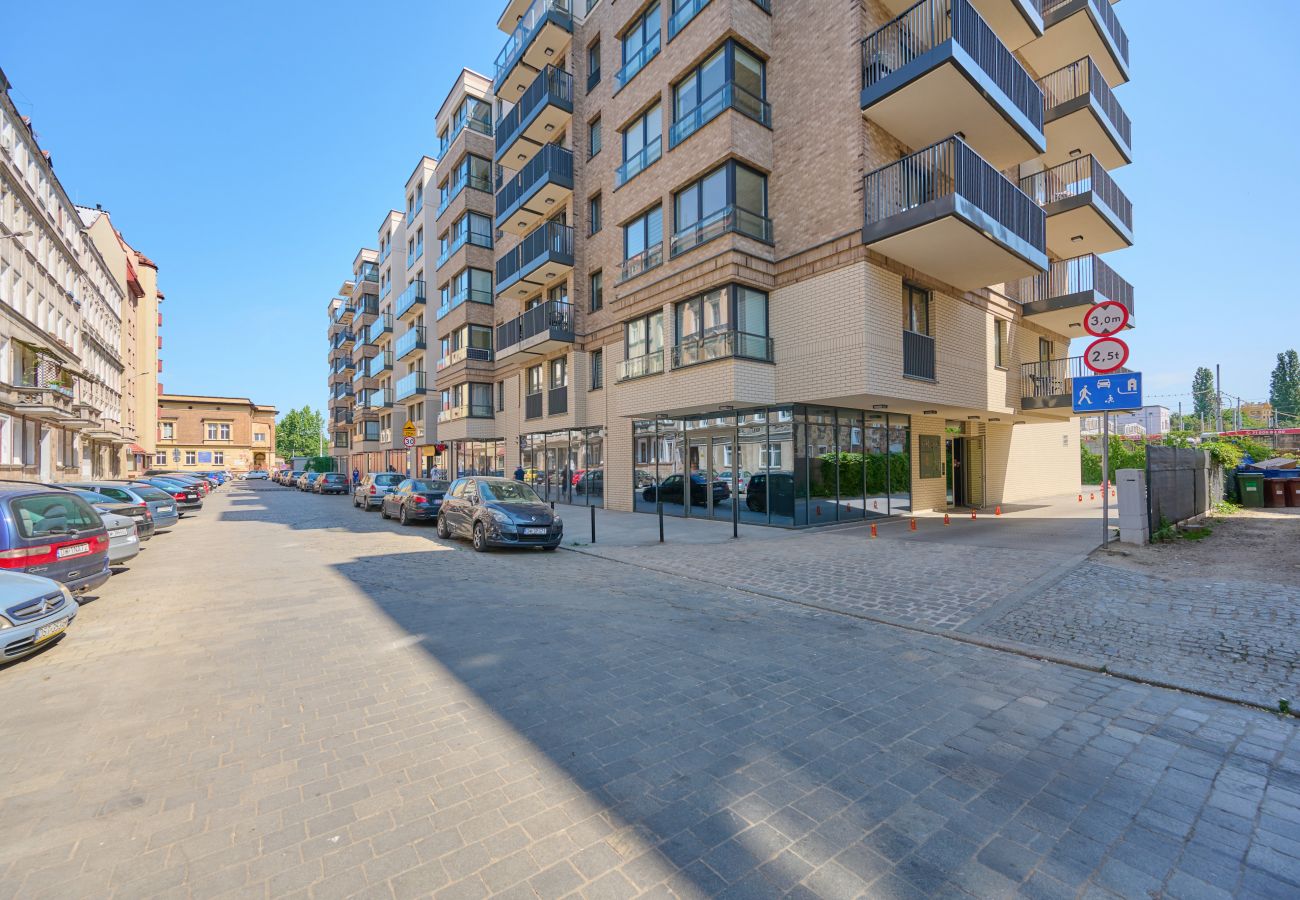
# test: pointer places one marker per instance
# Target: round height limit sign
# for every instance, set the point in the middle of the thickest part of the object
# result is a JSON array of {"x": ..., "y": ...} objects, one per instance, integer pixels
[{"x": 1108, "y": 353}]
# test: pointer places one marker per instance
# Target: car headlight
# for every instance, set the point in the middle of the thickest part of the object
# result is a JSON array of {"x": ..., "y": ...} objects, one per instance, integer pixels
[
  {"x": 558, "y": 522},
  {"x": 500, "y": 517},
  {"x": 5, "y": 623},
  {"x": 67, "y": 594}
]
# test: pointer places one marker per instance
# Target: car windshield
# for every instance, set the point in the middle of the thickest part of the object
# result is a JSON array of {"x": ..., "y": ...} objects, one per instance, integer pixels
[
  {"x": 47, "y": 514},
  {"x": 422, "y": 484},
  {"x": 508, "y": 490}
]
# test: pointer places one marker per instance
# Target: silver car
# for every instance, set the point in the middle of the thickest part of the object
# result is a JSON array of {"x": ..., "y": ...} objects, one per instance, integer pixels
[
  {"x": 160, "y": 503},
  {"x": 33, "y": 611},
  {"x": 123, "y": 541}
]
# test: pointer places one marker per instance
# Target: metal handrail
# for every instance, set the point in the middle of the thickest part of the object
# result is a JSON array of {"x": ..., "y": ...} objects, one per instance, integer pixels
[
  {"x": 952, "y": 167},
  {"x": 552, "y": 237},
  {"x": 411, "y": 297},
  {"x": 1080, "y": 79},
  {"x": 918, "y": 354},
  {"x": 929, "y": 24},
  {"x": 1104, "y": 12},
  {"x": 552, "y": 85},
  {"x": 522, "y": 36},
  {"x": 553, "y": 315},
  {"x": 729, "y": 96},
  {"x": 639, "y": 61},
  {"x": 640, "y": 366},
  {"x": 1075, "y": 177},
  {"x": 412, "y": 339},
  {"x": 1074, "y": 276},
  {"x": 410, "y": 385},
  {"x": 1050, "y": 377},
  {"x": 639, "y": 162},
  {"x": 482, "y": 126},
  {"x": 552, "y": 164},
  {"x": 727, "y": 219}
]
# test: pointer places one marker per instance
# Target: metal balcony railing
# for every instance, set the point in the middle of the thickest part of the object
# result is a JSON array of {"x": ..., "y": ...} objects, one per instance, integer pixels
[
  {"x": 552, "y": 316},
  {"x": 643, "y": 262},
  {"x": 1082, "y": 79},
  {"x": 722, "y": 345},
  {"x": 641, "y": 366},
  {"x": 557, "y": 400},
  {"x": 951, "y": 167},
  {"x": 410, "y": 386},
  {"x": 529, "y": 24},
  {"x": 473, "y": 121},
  {"x": 533, "y": 406},
  {"x": 1050, "y": 379},
  {"x": 918, "y": 355},
  {"x": 550, "y": 240},
  {"x": 551, "y": 87},
  {"x": 639, "y": 162},
  {"x": 552, "y": 165},
  {"x": 1075, "y": 177},
  {"x": 931, "y": 23},
  {"x": 409, "y": 342},
  {"x": 369, "y": 272},
  {"x": 636, "y": 62},
  {"x": 366, "y": 305},
  {"x": 1074, "y": 276},
  {"x": 411, "y": 297},
  {"x": 729, "y": 218},
  {"x": 1054, "y": 11},
  {"x": 729, "y": 96}
]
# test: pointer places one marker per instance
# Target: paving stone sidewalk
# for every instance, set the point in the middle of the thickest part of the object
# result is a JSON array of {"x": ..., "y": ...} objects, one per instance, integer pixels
[{"x": 1236, "y": 639}]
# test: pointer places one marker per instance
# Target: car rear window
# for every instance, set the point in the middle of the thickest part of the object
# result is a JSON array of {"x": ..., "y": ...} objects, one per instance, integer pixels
[
  {"x": 333, "y": 476},
  {"x": 151, "y": 494},
  {"x": 113, "y": 493},
  {"x": 387, "y": 478},
  {"x": 47, "y": 514}
]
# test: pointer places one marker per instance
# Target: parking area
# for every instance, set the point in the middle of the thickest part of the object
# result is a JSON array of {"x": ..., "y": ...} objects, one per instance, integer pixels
[{"x": 307, "y": 700}]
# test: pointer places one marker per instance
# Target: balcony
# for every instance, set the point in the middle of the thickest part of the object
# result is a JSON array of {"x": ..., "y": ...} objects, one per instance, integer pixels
[
  {"x": 342, "y": 314},
  {"x": 1049, "y": 384},
  {"x": 536, "y": 119},
  {"x": 1059, "y": 298},
  {"x": 638, "y": 162},
  {"x": 366, "y": 308},
  {"x": 640, "y": 366},
  {"x": 1015, "y": 22},
  {"x": 1083, "y": 117},
  {"x": 729, "y": 96},
  {"x": 542, "y": 329},
  {"x": 722, "y": 345},
  {"x": 642, "y": 262},
  {"x": 557, "y": 400},
  {"x": 475, "y": 354},
  {"x": 945, "y": 211},
  {"x": 369, "y": 272},
  {"x": 410, "y": 342},
  {"x": 1086, "y": 210},
  {"x": 460, "y": 239},
  {"x": 539, "y": 259},
  {"x": 918, "y": 355},
  {"x": 410, "y": 386},
  {"x": 374, "y": 401},
  {"x": 1074, "y": 29},
  {"x": 378, "y": 328},
  {"x": 937, "y": 70},
  {"x": 458, "y": 298},
  {"x": 542, "y": 186},
  {"x": 542, "y": 34},
  {"x": 412, "y": 299},
  {"x": 726, "y": 220},
  {"x": 460, "y": 180},
  {"x": 470, "y": 122}
]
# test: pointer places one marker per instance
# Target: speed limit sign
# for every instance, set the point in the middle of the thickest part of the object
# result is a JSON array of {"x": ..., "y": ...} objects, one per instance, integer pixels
[
  {"x": 1106, "y": 318},
  {"x": 1105, "y": 355}
]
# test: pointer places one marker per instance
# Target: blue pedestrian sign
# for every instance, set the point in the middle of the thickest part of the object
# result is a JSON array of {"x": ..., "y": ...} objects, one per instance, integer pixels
[{"x": 1107, "y": 393}]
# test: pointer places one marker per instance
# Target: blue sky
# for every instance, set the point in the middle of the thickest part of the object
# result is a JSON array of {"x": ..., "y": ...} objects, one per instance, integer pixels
[{"x": 251, "y": 148}]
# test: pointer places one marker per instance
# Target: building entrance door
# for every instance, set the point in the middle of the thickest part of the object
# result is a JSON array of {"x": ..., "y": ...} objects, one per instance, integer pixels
[
  {"x": 954, "y": 471},
  {"x": 965, "y": 472}
]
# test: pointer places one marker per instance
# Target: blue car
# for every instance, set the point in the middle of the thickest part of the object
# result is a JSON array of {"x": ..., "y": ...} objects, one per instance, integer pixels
[
  {"x": 52, "y": 533},
  {"x": 33, "y": 612}
]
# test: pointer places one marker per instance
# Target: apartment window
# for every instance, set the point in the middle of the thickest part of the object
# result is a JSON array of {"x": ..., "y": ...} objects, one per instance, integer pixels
[
  {"x": 732, "y": 78},
  {"x": 643, "y": 242},
  {"x": 1001, "y": 333},
  {"x": 640, "y": 44},
  {"x": 219, "y": 457},
  {"x": 218, "y": 431},
  {"x": 559, "y": 373},
  {"x": 597, "y": 369},
  {"x": 534, "y": 380},
  {"x": 167, "y": 431},
  {"x": 732, "y": 197},
  {"x": 190, "y": 458},
  {"x": 642, "y": 145},
  {"x": 597, "y": 290},
  {"x": 644, "y": 336},
  {"x": 725, "y": 322},
  {"x": 593, "y": 65},
  {"x": 160, "y": 459},
  {"x": 593, "y": 137},
  {"x": 480, "y": 400},
  {"x": 593, "y": 213},
  {"x": 917, "y": 309}
]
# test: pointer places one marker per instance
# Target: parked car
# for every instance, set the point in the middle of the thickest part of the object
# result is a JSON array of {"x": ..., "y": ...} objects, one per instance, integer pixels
[
  {"x": 55, "y": 534},
  {"x": 161, "y": 504},
  {"x": 256, "y": 475},
  {"x": 291, "y": 480},
  {"x": 33, "y": 611},
  {"x": 332, "y": 483},
  {"x": 187, "y": 497},
  {"x": 774, "y": 489},
  {"x": 372, "y": 488},
  {"x": 203, "y": 485},
  {"x": 139, "y": 515},
  {"x": 672, "y": 489},
  {"x": 591, "y": 482},
  {"x": 123, "y": 539},
  {"x": 307, "y": 479},
  {"x": 742, "y": 479},
  {"x": 415, "y": 499},
  {"x": 498, "y": 512}
]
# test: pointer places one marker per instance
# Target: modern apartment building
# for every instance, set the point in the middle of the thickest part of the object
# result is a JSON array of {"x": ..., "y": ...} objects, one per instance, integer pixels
[
  {"x": 796, "y": 268},
  {"x": 204, "y": 433},
  {"x": 64, "y": 319}
]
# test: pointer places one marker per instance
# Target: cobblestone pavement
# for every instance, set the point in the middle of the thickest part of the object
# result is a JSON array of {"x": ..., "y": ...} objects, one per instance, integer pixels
[
  {"x": 937, "y": 585},
  {"x": 1239, "y": 639},
  {"x": 291, "y": 698}
]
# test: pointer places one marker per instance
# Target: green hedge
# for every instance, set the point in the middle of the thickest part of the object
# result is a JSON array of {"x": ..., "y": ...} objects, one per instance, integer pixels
[{"x": 850, "y": 469}]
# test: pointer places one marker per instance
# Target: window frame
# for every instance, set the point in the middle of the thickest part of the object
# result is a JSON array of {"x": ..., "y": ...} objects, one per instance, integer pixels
[
  {"x": 596, "y": 374},
  {"x": 730, "y": 210},
  {"x": 647, "y": 345},
  {"x": 595, "y": 218},
  {"x": 911, "y": 293},
  {"x": 596, "y": 291}
]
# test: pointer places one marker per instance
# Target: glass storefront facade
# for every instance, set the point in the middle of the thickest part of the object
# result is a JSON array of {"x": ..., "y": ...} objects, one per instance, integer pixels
[
  {"x": 470, "y": 457},
  {"x": 566, "y": 466},
  {"x": 789, "y": 466}
]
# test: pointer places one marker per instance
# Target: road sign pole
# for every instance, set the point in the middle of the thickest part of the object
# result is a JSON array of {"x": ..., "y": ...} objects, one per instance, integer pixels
[{"x": 1105, "y": 478}]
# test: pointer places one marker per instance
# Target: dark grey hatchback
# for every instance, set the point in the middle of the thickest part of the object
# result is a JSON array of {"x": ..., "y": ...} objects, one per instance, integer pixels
[
  {"x": 497, "y": 512},
  {"x": 53, "y": 533}
]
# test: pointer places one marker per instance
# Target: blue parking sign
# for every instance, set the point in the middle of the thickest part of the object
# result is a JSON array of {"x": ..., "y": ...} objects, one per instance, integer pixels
[{"x": 1107, "y": 393}]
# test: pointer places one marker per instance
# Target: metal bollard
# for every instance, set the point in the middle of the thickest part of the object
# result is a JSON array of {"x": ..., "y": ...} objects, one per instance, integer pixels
[
  {"x": 660, "y": 505},
  {"x": 593, "y": 523}
]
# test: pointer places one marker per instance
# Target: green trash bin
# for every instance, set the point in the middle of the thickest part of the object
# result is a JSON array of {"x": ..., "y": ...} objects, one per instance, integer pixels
[{"x": 1251, "y": 487}]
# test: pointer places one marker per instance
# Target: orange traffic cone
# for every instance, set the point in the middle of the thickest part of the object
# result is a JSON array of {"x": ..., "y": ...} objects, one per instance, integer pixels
[
  {"x": 997, "y": 510},
  {"x": 1092, "y": 496},
  {"x": 873, "y": 530},
  {"x": 1081, "y": 498},
  {"x": 914, "y": 524},
  {"x": 972, "y": 515},
  {"x": 946, "y": 520}
]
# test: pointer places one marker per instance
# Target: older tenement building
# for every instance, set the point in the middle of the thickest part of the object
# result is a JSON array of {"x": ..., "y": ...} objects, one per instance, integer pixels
[{"x": 796, "y": 268}]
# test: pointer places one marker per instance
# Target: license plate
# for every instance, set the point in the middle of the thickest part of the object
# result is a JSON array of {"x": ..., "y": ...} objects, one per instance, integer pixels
[
  {"x": 72, "y": 550},
  {"x": 535, "y": 530},
  {"x": 164, "y": 509},
  {"x": 45, "y": 632},
  {"x": 121, "y": 532}
]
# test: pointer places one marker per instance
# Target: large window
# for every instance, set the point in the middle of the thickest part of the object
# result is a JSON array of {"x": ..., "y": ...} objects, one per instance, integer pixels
[
  {"x": 471, "y": 228},
  {"x": 732, "y": 78},
  {"x": 732, "y": 197},
  {"x": 640, "y": 45},
  {"x": 472, "y": 171},
  {"x": 916, "y": 304},
  {"x": 642, "y": 145},
  {"x": 1001, "y": 331},
  {"x": 218, "y": 431},
  {"x": 472, "y": 112},
  {"x": 559, "y": 373},
  {"x": 467, "y": 284},
  {"x": 534, "y": 380},
  {"x": 643, "y": 242},
  {"x": 644, "y": 336},
  {"x": 726, "y": 322}
]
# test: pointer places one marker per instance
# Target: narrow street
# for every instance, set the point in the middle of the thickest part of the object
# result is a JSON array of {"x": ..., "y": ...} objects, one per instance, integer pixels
[{"x": 288, "y": 697}]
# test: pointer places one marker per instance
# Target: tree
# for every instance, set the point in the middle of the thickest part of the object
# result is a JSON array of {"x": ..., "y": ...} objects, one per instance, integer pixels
[
  {"x": 299, "y": 433},
  {"x": 1284, "y": 386},
  {"x": 1203, "y": 396}
]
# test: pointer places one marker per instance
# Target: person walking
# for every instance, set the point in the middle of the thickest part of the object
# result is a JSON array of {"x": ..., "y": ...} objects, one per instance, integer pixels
[
  {"x": 519, "y": 473},
  {"x": 356, "y": 477}
]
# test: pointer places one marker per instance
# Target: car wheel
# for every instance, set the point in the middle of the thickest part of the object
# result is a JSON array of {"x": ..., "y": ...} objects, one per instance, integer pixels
[
  {"x": 355, "y": 503},
  {"x": 383, "y": 510},
  {"x": 401, "y": 515},
  {"x": 480, "y": 537},
  {"x": 443, "y": 532}
]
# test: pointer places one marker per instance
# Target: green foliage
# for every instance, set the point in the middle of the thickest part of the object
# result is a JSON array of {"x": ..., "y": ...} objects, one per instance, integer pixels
[
  {"x": 320, "y": 464},
  {"x": 1165, "y": 533},
  {"x": 1284, "y": 385},
  {"x": 851, "y": 472},
  {"x": 301, "y": 432},
  {"x": 1203, "y": 394},
  {"x": 1225, "y": 452},
  {"x": 1091, "y": 462}
]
